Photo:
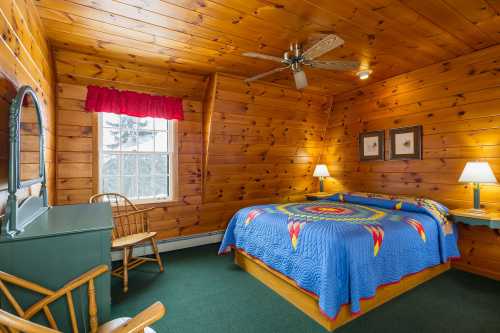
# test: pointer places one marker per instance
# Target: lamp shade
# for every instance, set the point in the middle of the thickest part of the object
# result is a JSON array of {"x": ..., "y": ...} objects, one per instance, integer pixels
[
  {"x": 321, "y": 171},
  {"x": 477, "y": 172}
]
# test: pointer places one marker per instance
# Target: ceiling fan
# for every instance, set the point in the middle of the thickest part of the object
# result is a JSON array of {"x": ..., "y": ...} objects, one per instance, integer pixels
[{"x": 296, "y": 59}]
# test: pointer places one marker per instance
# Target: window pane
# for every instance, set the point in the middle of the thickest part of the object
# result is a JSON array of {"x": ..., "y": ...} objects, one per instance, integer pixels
[
  {"x": 161, "y": 124},
  {"x": 110, "y": 184},
  {"x": 129, "y": 187},
  {"x": 161, "y": 141},
  {"x": 110, "y": 120},
  {"x": 128, "y": 122},
  {"x": 145, "y": 123},
  {"x": 129, "y": 164},
  {"x": 110, "y": 164},
  {"x": 146, "y": 141},
  {"x": 146, "y": 189},
  {"x": 129, "y": 140},
  {"x": 160, "y": 186},
  {"x": 160, "y": 164},
  {"x": 145, "y": 164},
  {"x": 135, "y": 156},
  {"x": 110, "y": 139}
]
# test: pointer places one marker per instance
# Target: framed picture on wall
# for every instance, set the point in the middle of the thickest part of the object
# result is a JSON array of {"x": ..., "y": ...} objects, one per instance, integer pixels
[
  {"x": 406, "y": 143},
  {"x": 371, "y": 146}
]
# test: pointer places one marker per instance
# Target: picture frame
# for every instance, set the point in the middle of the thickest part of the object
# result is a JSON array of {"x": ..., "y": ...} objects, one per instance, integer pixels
[
  {"x": 406, "y": 143},
  {"x": 371, "y": 146}
]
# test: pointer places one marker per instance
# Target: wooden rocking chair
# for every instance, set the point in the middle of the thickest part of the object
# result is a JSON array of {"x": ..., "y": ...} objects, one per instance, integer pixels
[
  {"x": 20, "y": 322},
  {"x": 131, "y": 228}
]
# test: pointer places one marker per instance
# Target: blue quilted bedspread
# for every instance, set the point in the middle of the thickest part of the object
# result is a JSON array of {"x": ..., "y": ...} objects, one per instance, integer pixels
[{"x": 344, "y": 247}]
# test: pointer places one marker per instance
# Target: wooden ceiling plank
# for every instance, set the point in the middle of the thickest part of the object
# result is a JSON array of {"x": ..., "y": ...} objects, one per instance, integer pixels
[
  {"x": 466, "y": 64},
  {"x": 181, "y": 56},
  {"x": 479, "y": 13},
  {"x": 390, "y": 36},
  {"x": 16, "y": 24},
  {"x": 35, "y": 26},
  {"x": 135, "y": 21},
  {"x": 495, "y": 4},
  {"x": 449, "y": 19},
  {"x": 114, "y": 16},
  {"x": 274, "y": 13},
  {"x": 406, "y": 18},
  {"x": 91, "y": 47},
  {"x": 107, "y": 48},
  {"x": 155, "y": 41},
  {"x": 117, "y": 63},
  {"x": 387, "y": 32},
  {"x": 382, "y": 35},
  {"x": 166, "y": 12},
  {"x": 246, "y": 21},
  {"x": 133, "y": 27}
]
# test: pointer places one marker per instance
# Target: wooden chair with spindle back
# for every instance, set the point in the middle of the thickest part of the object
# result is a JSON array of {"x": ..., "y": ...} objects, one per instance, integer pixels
[
  {"x": 131, "y": 228},
  {"x": 20, "y": 322}
]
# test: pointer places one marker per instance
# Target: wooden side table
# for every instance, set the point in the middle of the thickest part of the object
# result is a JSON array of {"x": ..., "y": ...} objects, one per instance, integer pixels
[
  {"x": 318, "y": 196},
  {"x": 470, "y": 217},
  {"x": 478, "y": 241}
]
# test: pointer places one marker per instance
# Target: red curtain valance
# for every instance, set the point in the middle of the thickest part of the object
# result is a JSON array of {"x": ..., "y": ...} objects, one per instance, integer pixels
[{"x": 100, "y": 99}]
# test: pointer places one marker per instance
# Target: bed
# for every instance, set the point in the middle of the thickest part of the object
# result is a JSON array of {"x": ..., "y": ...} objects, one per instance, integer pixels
[{"x": 342, "y": 256}]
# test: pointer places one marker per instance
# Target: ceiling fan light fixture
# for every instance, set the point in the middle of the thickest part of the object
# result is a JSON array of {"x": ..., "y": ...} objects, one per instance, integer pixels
[{"x": 364, "y": 74}]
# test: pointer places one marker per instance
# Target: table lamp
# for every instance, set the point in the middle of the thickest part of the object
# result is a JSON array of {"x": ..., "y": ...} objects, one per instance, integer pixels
[
  {"x": 321, "y": 171},
  {"x": 477, "y": 173}
]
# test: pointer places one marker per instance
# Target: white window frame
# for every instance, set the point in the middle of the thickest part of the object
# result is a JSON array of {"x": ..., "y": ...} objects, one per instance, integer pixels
[{"x": 173, "y": 165}]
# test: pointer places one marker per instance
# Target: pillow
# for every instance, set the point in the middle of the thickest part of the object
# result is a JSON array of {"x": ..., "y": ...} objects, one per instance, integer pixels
[{"x": 398, "y": 202}]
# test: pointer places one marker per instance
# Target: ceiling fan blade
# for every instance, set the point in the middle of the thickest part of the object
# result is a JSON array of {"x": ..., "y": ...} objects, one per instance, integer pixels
[
  {"x": 261, "y": 75},
  {"x": 262, "y": 56},
  {"x": 339, "y": 65},
  {"x": 324, "y": 45},
  {"x": 300, "y": 79}
]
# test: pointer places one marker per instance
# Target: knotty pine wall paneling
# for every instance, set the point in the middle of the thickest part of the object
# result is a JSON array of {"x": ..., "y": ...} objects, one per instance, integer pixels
[
  {"x": 239, "y": 144},
  {"x": 77, "y": 169},
  {"x": 263, "y": 143},
  {"x": 458, "y": 104},
  {"x": 25, "y": 59}
]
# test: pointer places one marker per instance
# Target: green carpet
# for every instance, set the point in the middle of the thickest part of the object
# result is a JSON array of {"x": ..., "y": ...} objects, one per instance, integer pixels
[{"x": 206, "y": 293}]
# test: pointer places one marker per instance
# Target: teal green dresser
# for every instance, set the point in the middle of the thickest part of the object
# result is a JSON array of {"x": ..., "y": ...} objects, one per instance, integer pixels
[{"x": 61, "y": 244}]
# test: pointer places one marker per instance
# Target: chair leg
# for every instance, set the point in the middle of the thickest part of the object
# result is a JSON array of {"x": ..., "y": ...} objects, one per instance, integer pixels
[
  {"x": 125, "y": 268},
  {"x": 157, "y": 254}
]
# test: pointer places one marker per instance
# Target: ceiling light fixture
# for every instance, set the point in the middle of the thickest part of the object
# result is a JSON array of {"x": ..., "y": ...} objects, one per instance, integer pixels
[{"x": 364, "y": 74}]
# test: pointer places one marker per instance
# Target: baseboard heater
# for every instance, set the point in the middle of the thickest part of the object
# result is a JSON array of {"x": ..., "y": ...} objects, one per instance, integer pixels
[{"x": 176, "y": 243}]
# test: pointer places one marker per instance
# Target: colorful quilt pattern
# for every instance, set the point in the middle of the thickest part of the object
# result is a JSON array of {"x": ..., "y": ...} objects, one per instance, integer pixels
[
  {"x": 343, "y": 248},
  {"x": 300, "y": 214}
]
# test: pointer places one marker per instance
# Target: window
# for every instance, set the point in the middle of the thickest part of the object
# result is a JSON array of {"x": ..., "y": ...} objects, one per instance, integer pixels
[{"x": 135, "y": 156}]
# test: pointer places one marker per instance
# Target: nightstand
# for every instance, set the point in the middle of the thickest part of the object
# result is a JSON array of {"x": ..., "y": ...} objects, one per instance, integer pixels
[
  {"x": 467, "y": 216},
  {"x": 318, "y": 196},
  {"x": 478, "y": 242}
]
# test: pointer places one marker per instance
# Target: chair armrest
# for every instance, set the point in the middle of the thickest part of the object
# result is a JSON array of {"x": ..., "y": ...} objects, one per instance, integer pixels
[
  {"x": 148, "y": 316},
  {"x": 17, "y": 323}
]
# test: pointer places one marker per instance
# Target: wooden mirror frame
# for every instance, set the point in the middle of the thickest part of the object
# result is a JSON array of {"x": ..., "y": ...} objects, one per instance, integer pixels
[{"x": 18, "y": 216}]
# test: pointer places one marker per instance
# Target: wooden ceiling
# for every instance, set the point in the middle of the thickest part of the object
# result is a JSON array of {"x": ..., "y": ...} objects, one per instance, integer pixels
[{"x": 203, "y": 36}]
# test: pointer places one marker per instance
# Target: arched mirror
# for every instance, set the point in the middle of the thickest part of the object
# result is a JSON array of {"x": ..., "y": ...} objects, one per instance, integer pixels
[{"x": 27, "y": 181}]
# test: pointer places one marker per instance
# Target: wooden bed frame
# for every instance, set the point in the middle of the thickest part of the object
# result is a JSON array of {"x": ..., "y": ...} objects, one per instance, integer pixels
[{"x": 308, "y": 303}]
